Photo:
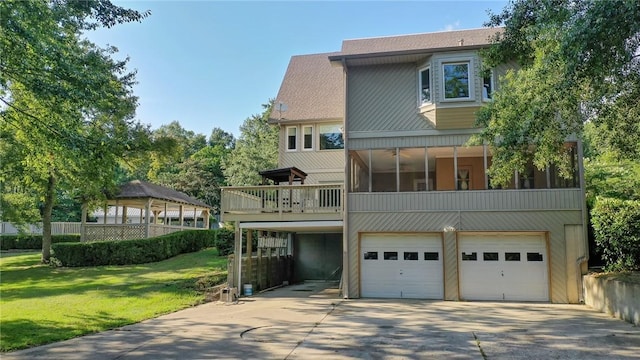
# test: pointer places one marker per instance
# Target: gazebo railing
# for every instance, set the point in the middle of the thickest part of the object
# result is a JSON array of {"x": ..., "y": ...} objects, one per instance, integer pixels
[{"x": 114, "y": 232}]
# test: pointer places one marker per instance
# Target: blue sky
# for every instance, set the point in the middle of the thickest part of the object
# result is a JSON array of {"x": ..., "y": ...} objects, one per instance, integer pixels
[{"x": 212, "y": 64}]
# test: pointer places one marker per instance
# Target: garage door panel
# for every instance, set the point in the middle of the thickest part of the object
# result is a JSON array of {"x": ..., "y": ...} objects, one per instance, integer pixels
[
  {"x": 405, "y": 266},
  {"x": 503, "y": 267}
]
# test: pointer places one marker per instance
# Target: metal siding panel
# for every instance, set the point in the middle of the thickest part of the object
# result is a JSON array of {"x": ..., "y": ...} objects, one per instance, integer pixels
[
  {"x": 450, "y": 266},
  {"x": 383, "y": 98},
  {"x": 481, "y": 200},
  {"x": 407, "y": 141}
]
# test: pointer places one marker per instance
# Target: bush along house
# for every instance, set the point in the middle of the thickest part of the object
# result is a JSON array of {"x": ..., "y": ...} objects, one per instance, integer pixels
[{"x": 377, "y": 188}]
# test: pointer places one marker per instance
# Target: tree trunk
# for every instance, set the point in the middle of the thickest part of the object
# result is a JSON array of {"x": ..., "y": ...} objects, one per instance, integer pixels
[{"x": 49, "y": 198}]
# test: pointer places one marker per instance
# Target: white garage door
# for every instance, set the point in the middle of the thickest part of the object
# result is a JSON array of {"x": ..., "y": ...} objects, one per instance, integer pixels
[
  {"x": 401, "y": 266},
  {"x": 503, "y": 267}
]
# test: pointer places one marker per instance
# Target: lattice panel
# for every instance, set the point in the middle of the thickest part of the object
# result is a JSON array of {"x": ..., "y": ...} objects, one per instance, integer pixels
[{"x": 114, "y": 233}]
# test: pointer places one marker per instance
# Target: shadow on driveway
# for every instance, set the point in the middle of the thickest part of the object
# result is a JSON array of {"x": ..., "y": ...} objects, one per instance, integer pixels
[{"x": 310, "y": 320}]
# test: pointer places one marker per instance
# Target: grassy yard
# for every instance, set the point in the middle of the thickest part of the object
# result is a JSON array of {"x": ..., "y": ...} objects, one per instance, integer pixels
[{"x": 40, "y": 304}]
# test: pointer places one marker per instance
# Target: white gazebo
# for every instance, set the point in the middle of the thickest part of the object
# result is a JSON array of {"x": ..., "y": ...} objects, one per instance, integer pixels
[{"x": 142, "y": 210}]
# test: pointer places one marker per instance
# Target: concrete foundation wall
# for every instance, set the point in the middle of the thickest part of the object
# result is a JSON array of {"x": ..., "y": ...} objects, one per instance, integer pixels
[{"x": 606, "y": 294}]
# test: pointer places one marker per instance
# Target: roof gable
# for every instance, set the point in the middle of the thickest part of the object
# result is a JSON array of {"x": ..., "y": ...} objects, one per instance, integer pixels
[{"x": 312, "y": 89}]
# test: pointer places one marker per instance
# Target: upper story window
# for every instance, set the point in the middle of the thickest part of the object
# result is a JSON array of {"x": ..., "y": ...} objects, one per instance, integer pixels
[
  {"x": 292, "y": 138},
  {"x": 330, "y": 137},
  {"x": 307, "y": 137},
  {"x": 425, "y": 85},
  {"x": 458, "y": 80},
  {"x": 487, "y": 86}
]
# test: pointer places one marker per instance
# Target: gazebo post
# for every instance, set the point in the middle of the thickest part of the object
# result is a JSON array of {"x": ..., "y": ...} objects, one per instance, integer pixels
[
  {"x": 195, "y": 217},
  {"x": 147, "y": 210},
  {"x": 205, "y": 215},
  {"x": 165, "y": 215},
  {"x": 181, "y": 215}
]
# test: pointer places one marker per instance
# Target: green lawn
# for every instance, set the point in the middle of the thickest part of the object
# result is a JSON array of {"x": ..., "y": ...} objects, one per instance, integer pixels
[{"x": 40, "y": 304}]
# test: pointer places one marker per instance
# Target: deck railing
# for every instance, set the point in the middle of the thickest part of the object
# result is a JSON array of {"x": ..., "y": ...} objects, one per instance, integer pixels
[{"x": 282, "y": 199}]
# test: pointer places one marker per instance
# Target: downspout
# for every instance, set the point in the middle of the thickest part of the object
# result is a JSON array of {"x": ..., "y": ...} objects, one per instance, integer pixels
[{"x": 347, "y": 172}]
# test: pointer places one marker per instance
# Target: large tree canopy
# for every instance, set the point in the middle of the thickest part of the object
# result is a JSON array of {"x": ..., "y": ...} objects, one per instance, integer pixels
[
  {"x": 67, "y": 107},
  {"x": 578, "y": 61},
  {"x": 256, "y": 149}
]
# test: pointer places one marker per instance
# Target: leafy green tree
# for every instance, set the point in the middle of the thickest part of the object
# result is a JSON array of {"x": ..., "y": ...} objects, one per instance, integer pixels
[
  {"x": 223, "y": 138},
  {"x": 178, "y": 144},
  {"x": 574, "y": 66},
  {"x": 68, "y": 110},
  {"x": 256, "y": 149}
]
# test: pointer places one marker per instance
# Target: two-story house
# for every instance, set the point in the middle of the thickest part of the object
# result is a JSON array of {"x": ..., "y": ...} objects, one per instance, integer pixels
[{"x": 379, "y": 186}]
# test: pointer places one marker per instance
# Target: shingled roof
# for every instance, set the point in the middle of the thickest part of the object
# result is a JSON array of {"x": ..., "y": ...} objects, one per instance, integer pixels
[
  {"x": 312, "y": 89},
  {"x": 137, "y": 189},
  {"x": 419, "y": 42}
]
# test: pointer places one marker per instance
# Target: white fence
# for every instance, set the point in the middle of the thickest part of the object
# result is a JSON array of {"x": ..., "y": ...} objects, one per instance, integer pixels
[{"x": 57, "y": 228}]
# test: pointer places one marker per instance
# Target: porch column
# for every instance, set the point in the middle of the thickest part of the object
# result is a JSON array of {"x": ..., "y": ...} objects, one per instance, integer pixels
[
  {"x": 237, "y": 258},
  {"x": 486, "y": 175},
  {"x": 455, "y": 168},
  {"x": 250, "y": 256},
  {"x": 426, "y": 168}
]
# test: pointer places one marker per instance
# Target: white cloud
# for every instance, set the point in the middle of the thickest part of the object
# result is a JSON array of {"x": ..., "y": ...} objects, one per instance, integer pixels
[{"x": 453, "y": 26}]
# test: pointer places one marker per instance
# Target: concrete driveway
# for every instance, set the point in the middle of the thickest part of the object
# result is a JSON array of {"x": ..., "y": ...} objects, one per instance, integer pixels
[{"x": 309, "y": 321}]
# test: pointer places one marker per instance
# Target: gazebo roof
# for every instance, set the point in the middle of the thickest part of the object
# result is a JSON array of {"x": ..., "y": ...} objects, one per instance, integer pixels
[
  {"x": 137, "y": 189},
  {"x": 289, "y": 175}
]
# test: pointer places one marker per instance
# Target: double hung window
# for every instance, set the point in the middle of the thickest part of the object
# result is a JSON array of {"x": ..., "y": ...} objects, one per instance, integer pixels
[
  {"x": 307, "y": 137},
  {"x": 292, "y": 138}
]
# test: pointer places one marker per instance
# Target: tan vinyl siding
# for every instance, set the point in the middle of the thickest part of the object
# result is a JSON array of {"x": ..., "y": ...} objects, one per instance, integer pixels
[
  {"x": 552, "y": 222},
  {"x": 456, "y": 117},
  {"x": 384, "y": 98}
]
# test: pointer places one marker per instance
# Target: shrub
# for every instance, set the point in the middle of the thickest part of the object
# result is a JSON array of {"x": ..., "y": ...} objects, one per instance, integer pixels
[
  {"x": 616, "y": 225},
  {"x": 224, "y": 241},
  {"x": 33, "y": 242},
  {"x": 138, "y": 251}
]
